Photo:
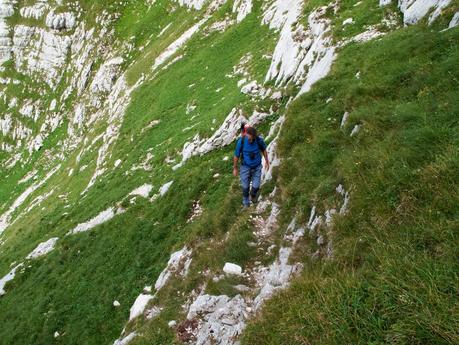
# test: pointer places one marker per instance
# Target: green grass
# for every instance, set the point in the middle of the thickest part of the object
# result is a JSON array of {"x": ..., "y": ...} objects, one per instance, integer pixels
[
  {"x": 400, "y": 170},
  {"x": 73, "y": 288},
  {"x": 394, "y": 274},
  {"x": 365, "y": 14}
]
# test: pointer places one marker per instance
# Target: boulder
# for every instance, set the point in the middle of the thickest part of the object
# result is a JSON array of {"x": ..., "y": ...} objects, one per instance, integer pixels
[{"x": 230, "y": 268}]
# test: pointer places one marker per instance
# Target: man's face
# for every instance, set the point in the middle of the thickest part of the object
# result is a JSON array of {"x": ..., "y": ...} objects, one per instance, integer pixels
[{"x": 250, "y": 137}]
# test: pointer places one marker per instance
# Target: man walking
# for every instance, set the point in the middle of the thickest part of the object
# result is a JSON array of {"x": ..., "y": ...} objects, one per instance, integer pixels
[{"x": 249, "y": 149}]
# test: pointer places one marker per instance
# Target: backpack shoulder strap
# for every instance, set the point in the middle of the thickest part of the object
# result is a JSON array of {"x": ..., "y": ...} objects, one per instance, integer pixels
[{"x": 242, "y": 146}]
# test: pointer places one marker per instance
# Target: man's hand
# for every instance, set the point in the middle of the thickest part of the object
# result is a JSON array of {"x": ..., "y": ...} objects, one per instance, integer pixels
[
  {"x": 235, "y": 171},
  {"x": 266, "y": 165}
]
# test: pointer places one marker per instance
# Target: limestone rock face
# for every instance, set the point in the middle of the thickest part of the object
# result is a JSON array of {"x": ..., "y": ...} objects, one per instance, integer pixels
[
  {"x": 304, "y": 54},
  {"x": 195, "y": 4},
  {"x": 35, "y": 11},
  {"x": 38, "y": 51},
  {"x": 179, "y": 262},
  {"x": 242, "y": 8},
  {"x": 6, "y": 11},
  {"x": 415, "y": 10},
  {"x": 60, "y": 21},
  {"x": 105, "y": 77},
  {"x": 223, "y": 318},
  {"x": 51, "y": 45}
]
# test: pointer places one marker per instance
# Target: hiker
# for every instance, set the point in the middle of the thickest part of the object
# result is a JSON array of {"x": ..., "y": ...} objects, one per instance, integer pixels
[{"x": 249, "y": 148}]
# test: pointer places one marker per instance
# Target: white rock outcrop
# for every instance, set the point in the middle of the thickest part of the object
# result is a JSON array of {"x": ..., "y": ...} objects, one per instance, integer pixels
[
  {"x": 8, "y": 277},
  {"x": 344, "y": 119},
  {"x": 35, "y": 11},
  {"x": 114, "y": 107},
  {"x": 178, "y": 263},
  {"x": 194, "y": 4},
  {"x": 139, "y": 305},
  {"x": 281, "y": 15},
  {"x": 304, "y": 55},
  {"x": 143, "y": 191},
  {"x": 6, "y": 11},
  {"x": 274, "y": 277},
  {"x": 165, "y": 188},
  {"x": 355, "y": 130},
  {"x": 60, "y": 21},
  {"x": 106, "y": 75},
  {"x": 273, "y": 157},
  {"x": 43, "y": 248},
  {"x": 242, "y": 8},
  {"x": 368, "y": 35},
  {"x": 454, "y": 21},
  {"x": 42, "y": 52},
  {"x": 321, "y": 53},
  {"x": 222, "y": 319},
  {"x": 5, "y": 218},
  {"x": 177, "y": 44},
  {"x": 414, "y": 10},
  {"x": 125, "y": 340},
  {"x": 101, "y": 218}
]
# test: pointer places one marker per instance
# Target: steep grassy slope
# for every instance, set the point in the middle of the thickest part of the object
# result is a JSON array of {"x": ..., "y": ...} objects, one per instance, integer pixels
[
  {"x": 394, "y": 273},
  {"x": 400, "y": 170},
  {"x": 127, "y": 253}
]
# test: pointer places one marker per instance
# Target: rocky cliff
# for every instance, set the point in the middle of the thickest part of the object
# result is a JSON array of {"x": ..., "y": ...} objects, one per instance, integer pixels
[{"x": 119, "y": 220}]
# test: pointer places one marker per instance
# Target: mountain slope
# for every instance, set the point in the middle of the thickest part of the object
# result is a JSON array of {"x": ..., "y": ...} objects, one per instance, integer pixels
[
  {"x": 394, "y": 269},
  {"x": 117, "y": 209}
]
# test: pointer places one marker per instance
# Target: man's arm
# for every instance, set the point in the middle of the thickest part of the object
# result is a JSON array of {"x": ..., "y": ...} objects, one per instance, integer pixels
[
  {"x": 265, "y": 155},
  {"x": 235, "y": 160},
  {"x": 264, "y": 151},
  {"x": 237, "y": 153}
]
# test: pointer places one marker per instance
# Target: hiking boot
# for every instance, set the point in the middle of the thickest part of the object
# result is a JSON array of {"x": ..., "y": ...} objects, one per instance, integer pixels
[
  {"x": 246, "y": 201},
  {"x": 254, "y": 195}
]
